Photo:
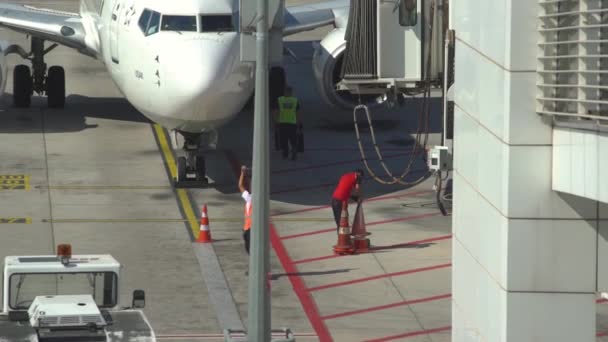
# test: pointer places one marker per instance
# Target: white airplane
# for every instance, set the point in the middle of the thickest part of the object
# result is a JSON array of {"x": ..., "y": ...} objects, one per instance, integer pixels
[{"x": 177, "y": 62}]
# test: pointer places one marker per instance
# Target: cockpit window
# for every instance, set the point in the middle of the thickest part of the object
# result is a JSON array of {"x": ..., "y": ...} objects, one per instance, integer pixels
[
  {"x": 154, "y": 25},
  {"x": 149, "y": 22},
  {"x": 179, "y": 23},
  {"x": 217, "y": 23},
  {"x": 144, "y": 20}
]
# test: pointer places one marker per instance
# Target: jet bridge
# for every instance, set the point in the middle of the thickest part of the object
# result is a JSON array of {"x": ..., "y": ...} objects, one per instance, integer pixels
[
  {"x": 393, "y": 46},
  {"x": 394, "y": 49}
]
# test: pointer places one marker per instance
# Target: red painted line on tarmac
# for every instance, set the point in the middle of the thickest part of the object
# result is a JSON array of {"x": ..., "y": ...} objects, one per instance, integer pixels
[
  {"x": 343, "y": 162},
  {"x": 381, "y": 198},
  {"x": 399, "y": 219},
  {"x": 603, "y": 333},
  {"x": 601, "y": 300},
  {"x": 411, "y": 334},
  {"x": 388, "y": 306},
  {"x": 326, "y": 185},
  {"x": 308, "y": 304},
  {"x": 302, "y": 188},
  {"x": 375, "y": 248},
  {"x": 381, "y": 276},
  {"x": 293, "y": 236},
  {"x": 218, "y": 335}
]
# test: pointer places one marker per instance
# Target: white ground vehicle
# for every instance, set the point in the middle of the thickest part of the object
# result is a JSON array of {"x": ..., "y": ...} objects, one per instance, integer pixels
[{"x": 68, "y": 298}]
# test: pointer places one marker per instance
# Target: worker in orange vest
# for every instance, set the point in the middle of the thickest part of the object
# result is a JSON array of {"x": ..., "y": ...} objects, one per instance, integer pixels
[
  {"x": 348, "y": 182},
  {"x": 246, "y": 195}
]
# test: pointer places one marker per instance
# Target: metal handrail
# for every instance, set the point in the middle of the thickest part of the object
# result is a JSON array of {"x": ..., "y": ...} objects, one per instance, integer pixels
[
  {"x": 559, "y": 14},
  {"x": 572, "y": 56},
  {"x": 564, "y": 42},
  {"x": 573, "y": 115},
  {"x": 551, "y": 2},
  {"x": 572, "y": 71},
  {"x": 562, "y": 99},
  {"x": 587, "y": 86},
  {"x": 569, "y": 28}
]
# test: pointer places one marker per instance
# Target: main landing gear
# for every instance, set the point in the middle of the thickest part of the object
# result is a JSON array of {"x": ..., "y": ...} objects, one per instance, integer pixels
[
  {"x": 39, "y": 80},
  {"x": 191, "y": 168}
]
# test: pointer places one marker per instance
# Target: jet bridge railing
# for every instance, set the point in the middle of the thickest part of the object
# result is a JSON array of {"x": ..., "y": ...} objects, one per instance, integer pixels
[{"x": 572, "y": 73}]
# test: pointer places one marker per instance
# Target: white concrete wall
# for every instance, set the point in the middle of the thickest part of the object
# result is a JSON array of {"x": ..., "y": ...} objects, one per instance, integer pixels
[
  {"x": 524, "y": 256},
  {"x": 578, "y": 164}
]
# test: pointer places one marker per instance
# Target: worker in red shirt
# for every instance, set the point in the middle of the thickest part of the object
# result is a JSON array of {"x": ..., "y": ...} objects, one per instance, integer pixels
[{"x": 343, "y": 192}]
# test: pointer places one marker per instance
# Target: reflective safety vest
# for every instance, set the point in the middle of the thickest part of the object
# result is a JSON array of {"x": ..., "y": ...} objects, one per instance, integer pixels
[
  {"x": 247, "y": 224},
  {"x": 288, "y": 106}
]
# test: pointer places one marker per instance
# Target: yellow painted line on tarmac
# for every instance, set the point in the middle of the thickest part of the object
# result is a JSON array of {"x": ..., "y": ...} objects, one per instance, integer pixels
[
  {"x": 175, "y": 220},
  {"x": 182, "y": 194},
  {"x": 135, "y": 220},
  {"x": 104, "y": 187},
  {"x": 14, "y": 182},
  {"x": 12, "y": 220}
]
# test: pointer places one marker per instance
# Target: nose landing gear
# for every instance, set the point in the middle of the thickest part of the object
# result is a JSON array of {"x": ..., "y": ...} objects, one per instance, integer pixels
[{"x": 191, "y": 168}]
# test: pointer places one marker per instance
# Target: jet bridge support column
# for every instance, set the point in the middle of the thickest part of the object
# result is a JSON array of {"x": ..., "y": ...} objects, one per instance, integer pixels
[{"x": 524, "y": 256}]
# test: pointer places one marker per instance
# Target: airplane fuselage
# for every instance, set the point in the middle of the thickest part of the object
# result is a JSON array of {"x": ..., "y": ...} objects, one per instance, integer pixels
[{"x": 174, "y": 62}]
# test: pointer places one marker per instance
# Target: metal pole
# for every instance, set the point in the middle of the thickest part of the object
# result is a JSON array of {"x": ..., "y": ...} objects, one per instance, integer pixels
[{"x": 259, "y": 293}]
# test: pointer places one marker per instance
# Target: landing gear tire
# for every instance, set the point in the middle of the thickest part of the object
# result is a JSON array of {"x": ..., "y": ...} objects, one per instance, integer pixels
[
  {"x": 22, "y": 86},
  {"x": 191, "y": 168},
  {"x": 201, "y": 169},
  {"x": 55, "y": 87},
  {"x": 181, "y": 169}
]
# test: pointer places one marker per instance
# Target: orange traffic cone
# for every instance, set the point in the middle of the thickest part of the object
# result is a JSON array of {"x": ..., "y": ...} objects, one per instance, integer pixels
[
  {"x": 361, "y": 242},
  {"x": 204, "y": 234},
  {"x": 344, "y": 245}
]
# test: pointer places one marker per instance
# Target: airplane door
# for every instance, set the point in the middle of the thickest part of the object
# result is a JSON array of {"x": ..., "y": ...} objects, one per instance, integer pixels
[{"x": 114, "y": 31}]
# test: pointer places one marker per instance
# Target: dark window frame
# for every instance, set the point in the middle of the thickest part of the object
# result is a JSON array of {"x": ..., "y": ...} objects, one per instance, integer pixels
[
  {"x": 218, "y": 29},
  {"x": 146, "y": 31},
  {"x": 178, "y": 16},
  {"x": 115, "y": 286},
  {"x": 408, "y": 17},
  {"x": 140, "y": 22}
]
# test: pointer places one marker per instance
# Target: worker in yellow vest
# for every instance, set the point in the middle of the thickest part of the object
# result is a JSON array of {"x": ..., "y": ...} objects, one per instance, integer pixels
[
  {"x": 288, "y": 120},
  {"x": 246, "y": 195}
]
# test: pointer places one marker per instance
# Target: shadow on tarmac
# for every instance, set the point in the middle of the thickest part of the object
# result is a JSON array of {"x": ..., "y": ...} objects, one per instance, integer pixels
[
  {"x": 72, "y": 118},
  {"x": 312, "y": 273},
  {"x": 405, "y": 245}
]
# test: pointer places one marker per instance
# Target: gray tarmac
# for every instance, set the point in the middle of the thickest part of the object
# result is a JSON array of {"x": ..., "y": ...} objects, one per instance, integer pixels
[{"x": 98, "y": 179}]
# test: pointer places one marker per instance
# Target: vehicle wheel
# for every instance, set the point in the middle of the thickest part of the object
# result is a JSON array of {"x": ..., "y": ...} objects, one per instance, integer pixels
[
  {"x": 55, "y": 87},
  {"x": 181, "y": 169},
  {"x": 201, "y": 170},
  {"x": 22, "y": 86}
]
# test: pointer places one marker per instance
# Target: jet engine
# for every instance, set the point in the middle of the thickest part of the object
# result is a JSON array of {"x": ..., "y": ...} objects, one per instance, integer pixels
[{"x": 327, "y": 67}]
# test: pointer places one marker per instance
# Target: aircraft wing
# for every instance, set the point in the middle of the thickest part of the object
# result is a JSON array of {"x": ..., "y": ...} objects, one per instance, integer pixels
[
  {"x": 308, "y": 17},
  {"x": 56, "y": 26}
]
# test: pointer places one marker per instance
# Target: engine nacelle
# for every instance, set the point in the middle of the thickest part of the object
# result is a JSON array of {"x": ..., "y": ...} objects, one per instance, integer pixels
[{"x": 327, "y": 67}]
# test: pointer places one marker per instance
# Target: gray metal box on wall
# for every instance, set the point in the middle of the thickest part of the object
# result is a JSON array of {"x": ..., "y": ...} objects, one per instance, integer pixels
[{"x": 247, "y": 25}]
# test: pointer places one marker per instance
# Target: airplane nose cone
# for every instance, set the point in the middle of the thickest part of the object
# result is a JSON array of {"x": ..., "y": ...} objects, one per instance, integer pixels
[
  {"x": 192, "y": 67},
  {"x": 200, "y": 76}
]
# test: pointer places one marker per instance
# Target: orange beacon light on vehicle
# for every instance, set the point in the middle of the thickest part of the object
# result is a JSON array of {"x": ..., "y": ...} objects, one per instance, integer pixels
[{"x": 64, "y": 251}]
